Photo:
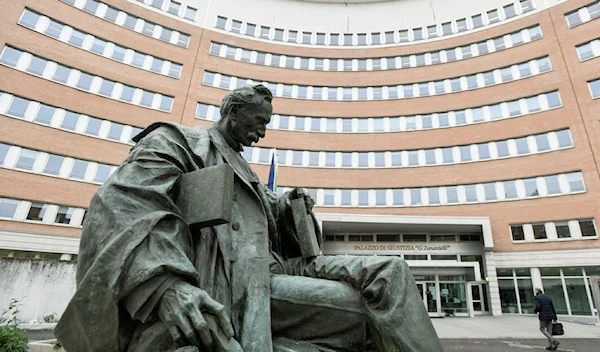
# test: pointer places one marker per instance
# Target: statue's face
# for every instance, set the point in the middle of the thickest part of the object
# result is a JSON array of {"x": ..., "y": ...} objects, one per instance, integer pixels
[{"x": 249, "y": 122}]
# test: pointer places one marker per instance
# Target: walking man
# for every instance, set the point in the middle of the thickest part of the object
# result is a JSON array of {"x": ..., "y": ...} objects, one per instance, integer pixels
[{"x": 547, "y": 315}]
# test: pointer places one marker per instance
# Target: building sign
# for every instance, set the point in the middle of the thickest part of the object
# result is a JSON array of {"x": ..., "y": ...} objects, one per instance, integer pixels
[
  {"x": 391, "y": 248},
  {"x": 402, "y": 247}
]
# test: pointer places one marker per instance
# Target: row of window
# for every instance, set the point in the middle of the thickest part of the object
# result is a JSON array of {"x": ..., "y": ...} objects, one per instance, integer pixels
[
  {"x": 589, "y": 50},
  {"x": 594, "y": 88},
  {"x": 67, "y": 120},
  {"x": 376, "y": 38},
  {"x": 553, "y": 230},
  {"x": 173, "y": 7},
  {"x": 528, "y": 188},
  {"x": 406, "y": 237},
  {"x": 132, "y": 22},
  {"x": 23, "y": 159},
  {"x": 499, "y": 111},
  {"x": 53, "y": 71},
  {"x": 569, "y": 287},
  {"x": 508, "y": 148},
  {"x": 91, "y": 43},
  {"x": 382, "y": 63},
  {"x": 49, "y": 214},
  {"x": 401, "y": 91},
  {"x": 583, "y": 14}
]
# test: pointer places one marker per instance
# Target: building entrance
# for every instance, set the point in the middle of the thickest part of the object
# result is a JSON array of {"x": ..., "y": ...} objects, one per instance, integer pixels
[{"x": 429, "y": 296}]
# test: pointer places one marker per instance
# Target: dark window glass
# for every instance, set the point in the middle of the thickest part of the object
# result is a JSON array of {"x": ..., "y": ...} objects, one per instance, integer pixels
[
  {"x": 587, "y": 228},
  {"x": 539, "y": 231},
  {"x": 37, "y": 211},
  {"x": 517, "y": 233}
]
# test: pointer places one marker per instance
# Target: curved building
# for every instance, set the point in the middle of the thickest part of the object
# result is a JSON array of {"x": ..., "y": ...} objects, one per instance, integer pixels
[{"x": 463, "y": 138}]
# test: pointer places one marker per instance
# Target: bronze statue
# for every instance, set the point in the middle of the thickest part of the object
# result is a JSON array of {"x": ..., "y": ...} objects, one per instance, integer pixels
[{"x": 184, "y": 249}]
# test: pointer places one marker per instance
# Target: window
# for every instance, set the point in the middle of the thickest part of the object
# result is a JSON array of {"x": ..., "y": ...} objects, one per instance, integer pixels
[
  {"x": 502, "y": 148},
  {"x": 93, "y": 126},
  {"x": 292, "y": 36},
  {"x": 465, "y": 153},
  {"x": 85, "y": 81},
  {"x": 575, "y": 182},
  {"x": 54, "y": 164},
  {"x": 490, "y": 191},
  {"x": 573, "y": 19},
  {"x": 106, "y": 88},
  {"x": 70, "y": 121},
  {"x": 174, "y": 7},
  {"x": 522, "y": 147},
  {"x": 471, "y": 193},
  {"x": 552, "y": 185},
  {"x": 541, "y": 140},
  {"x": 190, "y": 13},
  {"x": 531, "y": 189},
  {"x": 432, "y": 31},
  {"x": 493, "y": 16},
  {"x": 403, "y": 36},
  {"x": 434, "y": 195},
  {"x": 64, "y": 215},
  {"x": 594, "y": 88},
  {"x": 517, "y": 233},
  {"x": 221, "y": 22},
  {"x": 61, "y": 74},
  {"x": 553, "y": 99},
  {"x": 461, "y": 25},
  {"x": 26, "y": 159},
  {"x": 37, "y": 66},
  {"x": 54, "y": 29},
  {"x": 29, "y": 19},
  {"x": 510, "y": 190},
  {"x": 37, "y": 211},
  {"x": 250, "y": 29},
  {"x": 452, "y": 194},
  {"x": 236, "y": 26},
  {"x": 8, "y": 207},
  {"x": 77, "y": 38},
  {"x": 587, "y": 228},
  {"x": 483, "y": 151},
  {"x": 585, "y": 51},
  {"x": 447, "y": 28},
  {"x": 539, "y": 231},
  {"x": 417, "y": 33},
  {"x": 102, "y": 173},
  {"x": 414, "y": 238},
  {"x": 477, "y": 21},
  {"x": 3, "y": 152},
  {"x": 562, "y": 229},
  {"x": 18, "y": 107},
  {"x": 79, "y": 169},
  {"x": 509, "y": 11},
  {"x": 564, "y": 139},
  {"x": 115, "y": 131},
  {"x": 388, "y": 238}
]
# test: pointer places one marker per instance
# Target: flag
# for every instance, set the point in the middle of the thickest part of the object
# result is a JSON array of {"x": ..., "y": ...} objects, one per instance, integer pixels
[{"x": 272, "y": 183}]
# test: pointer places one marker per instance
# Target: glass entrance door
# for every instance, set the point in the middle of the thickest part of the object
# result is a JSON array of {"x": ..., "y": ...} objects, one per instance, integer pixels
[{"x": 428, "y": 294}]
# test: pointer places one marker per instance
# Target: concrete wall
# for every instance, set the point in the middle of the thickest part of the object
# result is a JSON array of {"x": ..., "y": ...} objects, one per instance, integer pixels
[{"x": 42, "y": 287}]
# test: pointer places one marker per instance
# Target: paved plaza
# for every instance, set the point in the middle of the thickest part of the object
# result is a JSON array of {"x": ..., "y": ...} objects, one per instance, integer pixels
[{"x": 512, "y": 333}]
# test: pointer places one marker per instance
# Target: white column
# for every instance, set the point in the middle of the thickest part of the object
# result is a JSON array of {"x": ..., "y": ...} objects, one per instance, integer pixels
[
  {"x": 492, "y": 287},
  {"x": 536, "y": 278}
]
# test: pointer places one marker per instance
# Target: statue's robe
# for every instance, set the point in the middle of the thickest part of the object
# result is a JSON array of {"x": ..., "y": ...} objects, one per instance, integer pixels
[{"x": 135, "y": 244}]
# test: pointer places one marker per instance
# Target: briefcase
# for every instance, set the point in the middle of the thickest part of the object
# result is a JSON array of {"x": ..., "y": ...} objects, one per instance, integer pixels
[{"x": 557, "y": 329}]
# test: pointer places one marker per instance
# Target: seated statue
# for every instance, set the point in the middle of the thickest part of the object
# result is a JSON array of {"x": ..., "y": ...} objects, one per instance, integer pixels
[{"x": 148, "y": 281}]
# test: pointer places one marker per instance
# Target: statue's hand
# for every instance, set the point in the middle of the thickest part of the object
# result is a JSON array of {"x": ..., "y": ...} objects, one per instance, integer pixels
[
  {"x": 181, "y": 309},
  {"x": 301, "y": 193}
]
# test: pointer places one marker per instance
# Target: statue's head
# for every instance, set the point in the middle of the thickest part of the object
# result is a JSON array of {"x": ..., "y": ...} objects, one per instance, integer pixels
[{"x": 245, "y": 113}]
